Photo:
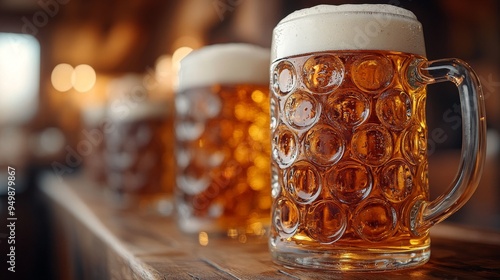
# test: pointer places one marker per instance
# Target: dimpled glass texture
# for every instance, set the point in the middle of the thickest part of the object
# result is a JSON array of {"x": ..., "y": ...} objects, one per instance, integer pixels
[{"x": 348, "y": 150}]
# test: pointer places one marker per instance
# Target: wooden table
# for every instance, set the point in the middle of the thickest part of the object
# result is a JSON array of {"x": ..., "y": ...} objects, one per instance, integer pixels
[{"x": 97, "y": 242}]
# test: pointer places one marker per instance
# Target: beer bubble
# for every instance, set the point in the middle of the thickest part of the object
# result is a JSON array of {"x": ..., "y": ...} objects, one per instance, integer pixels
[
  {"x": 303, "y": 182},
  {"x": 286, "y": 217},
  {"x": 374, "y": 220},
  {"x": 349, "y": 107},
  {"x": 414, "y": 144},
  {"x": 285, "y": 146},
  {"x": 283, "y": 78},
  {"x": 324, "y": 145},
  {"x": 372, "y": 73},
  {"x": 372, "y": 144},
  {"x": 350, "y": 182},
  {"x": 301, "y": 110},
  {"x": 394, "y": 109},
  {"x": 396, "y": 180},
  {"x": 326, "y": 221},
  {"x": 323, "y": 73}
]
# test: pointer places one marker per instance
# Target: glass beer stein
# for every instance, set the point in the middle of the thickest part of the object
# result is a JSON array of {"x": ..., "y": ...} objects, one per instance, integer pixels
[
  {"x": 222, "y": 141},
  {"x": 349, "y": 139},
  {"x": 138, "y": 148}
]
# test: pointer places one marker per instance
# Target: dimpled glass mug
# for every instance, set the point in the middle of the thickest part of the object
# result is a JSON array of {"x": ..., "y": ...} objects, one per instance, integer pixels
[
  {"x": 222, "y": 141},
  {"x": 349, "y": 139}
]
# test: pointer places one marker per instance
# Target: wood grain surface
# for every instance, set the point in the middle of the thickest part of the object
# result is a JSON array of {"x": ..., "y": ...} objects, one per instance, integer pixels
[{"x": 102, "y": 243}]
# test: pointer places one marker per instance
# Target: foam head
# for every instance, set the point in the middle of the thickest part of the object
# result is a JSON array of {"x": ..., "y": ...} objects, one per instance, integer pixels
[
  {"x": 348, "y": 27},
  {"x": 225, "y": 64}
]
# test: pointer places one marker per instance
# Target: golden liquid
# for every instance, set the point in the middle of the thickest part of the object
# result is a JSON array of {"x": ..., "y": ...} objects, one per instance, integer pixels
[
  {"x": 223, "y": 158},
  {"x": 349, "y": 153}
]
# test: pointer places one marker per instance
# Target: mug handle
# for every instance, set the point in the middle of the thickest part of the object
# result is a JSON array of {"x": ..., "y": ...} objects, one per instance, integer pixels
[{"x": 421, "y": 72}]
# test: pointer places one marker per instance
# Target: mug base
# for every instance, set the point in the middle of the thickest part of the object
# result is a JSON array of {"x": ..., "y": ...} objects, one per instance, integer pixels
[{"x": 351, "y": 259}]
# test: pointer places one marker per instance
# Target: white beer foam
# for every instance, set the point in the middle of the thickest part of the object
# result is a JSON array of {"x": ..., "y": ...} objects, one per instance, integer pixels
[
  {"x": 225, "y": 64},
  {"x": 348, "y": 27}
]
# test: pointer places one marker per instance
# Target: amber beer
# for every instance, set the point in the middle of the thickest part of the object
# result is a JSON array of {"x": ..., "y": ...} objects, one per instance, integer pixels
[
  {"x": 140, "y": 164},
  {"x": 222, "y": 150},
  {"x": 349, "y": 140},
  {"x": 353, "y": 160}
]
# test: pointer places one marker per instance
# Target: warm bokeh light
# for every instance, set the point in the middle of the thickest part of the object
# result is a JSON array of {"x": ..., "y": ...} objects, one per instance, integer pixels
[
  {"x": 203, "y": 238},
  {"x": 61, "y": 77},
  {"x": 164, "y": 73},
  {"x": 187, "y": 41},
  {"x": 83, "y": 78},
  {"x": 258, "y": 96},
  {"x": 163, "y": 66},
  {"x": 178, "y": 55}
]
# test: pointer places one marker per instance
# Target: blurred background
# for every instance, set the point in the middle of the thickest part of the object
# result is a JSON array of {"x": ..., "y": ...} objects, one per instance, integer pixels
[{"x": 59, "y": 58}]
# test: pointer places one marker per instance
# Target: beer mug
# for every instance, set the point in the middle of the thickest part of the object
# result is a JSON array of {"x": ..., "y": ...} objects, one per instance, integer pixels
[
  {"x": 138, "y": 148},
  {"x": 222, "y": 141},
  {"x": 349, "y": 139}
]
